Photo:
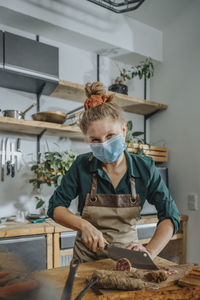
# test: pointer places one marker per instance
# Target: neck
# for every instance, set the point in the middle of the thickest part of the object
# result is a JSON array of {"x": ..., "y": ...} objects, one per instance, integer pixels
[{"x": 116, "y": 164}]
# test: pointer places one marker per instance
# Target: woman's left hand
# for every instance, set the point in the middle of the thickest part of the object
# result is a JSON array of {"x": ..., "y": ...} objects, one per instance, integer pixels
[{"x": 137, "y": 247}]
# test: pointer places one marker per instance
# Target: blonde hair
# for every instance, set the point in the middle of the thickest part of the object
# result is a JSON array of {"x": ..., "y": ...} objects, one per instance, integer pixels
[{"x": 101, "y": 111}]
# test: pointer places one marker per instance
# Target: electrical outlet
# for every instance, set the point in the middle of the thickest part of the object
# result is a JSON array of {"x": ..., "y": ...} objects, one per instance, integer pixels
[{"x": 192, "y": 201}]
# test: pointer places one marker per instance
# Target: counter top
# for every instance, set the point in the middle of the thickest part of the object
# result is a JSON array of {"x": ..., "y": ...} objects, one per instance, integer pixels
[
  {"x": 12, "y": 229},
  {"x": 57, "y": 277}
]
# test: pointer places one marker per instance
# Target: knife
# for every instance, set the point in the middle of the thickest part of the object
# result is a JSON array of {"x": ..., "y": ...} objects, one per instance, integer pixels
[
  {"x": 7, "y": 155},
  {"x": 18, "y": 154},
  {"x": 3, "y": 158},
  {"x": 138, "y": 259},
  {"x": 12, "y": 159}
]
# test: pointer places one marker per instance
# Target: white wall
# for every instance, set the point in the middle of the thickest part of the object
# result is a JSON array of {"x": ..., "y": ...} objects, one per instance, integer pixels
[
  {"x": 176, "y": 83},
  {"x": 75, "y": 65}
]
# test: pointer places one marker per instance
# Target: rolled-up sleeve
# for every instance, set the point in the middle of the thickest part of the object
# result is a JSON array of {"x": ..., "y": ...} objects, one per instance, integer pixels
[
  {"x": 67, "y": 190},
  {"x": 158, "y": 194}
]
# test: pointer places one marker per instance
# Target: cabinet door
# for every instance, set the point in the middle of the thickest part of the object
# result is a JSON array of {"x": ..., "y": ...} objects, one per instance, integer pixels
[
  {"x": 1, "y": 49},
  {"x": 30, "y": 57},
  {"x": 31, "y": 249}
]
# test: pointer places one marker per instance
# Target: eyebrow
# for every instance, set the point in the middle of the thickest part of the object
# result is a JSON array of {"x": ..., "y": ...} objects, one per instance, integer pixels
[{"x": 95, "y": 137}]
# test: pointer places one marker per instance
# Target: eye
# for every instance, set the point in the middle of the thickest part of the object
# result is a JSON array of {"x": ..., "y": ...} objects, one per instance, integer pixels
[
  {"x": 110, "y": 135},
  {"x": 95, "y": 141}
]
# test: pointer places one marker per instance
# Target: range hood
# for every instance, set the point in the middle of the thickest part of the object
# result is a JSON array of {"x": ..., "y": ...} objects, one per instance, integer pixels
[{"x": 27, "y": 65}]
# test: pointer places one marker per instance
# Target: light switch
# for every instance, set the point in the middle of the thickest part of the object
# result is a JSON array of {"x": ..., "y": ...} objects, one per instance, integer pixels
[{"x": 192, "y": 201}]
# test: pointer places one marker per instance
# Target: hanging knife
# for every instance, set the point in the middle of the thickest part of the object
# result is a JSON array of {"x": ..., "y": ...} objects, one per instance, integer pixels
[
  {"x": 8, "y": 153},
  {"x": 139, "y": 260},
  {"x": 3, "y": 158},
  {"x": 12, "y": 159},
  {"x": 18, "y": 154}
]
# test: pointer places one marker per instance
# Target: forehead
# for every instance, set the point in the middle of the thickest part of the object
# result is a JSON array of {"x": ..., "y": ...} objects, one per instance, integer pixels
[{"x": 103, "y": 126}]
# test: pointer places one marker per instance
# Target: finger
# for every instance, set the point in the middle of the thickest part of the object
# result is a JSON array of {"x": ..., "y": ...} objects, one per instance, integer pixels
[
  {"x": 95, "y": 243},
  {"x": 101, "y": 244}
]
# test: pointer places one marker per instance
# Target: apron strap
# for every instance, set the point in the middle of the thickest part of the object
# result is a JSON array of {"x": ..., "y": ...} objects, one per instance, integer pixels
[
  {"x": 94, "y": 184},
  {"x": 133, "y": 190}
]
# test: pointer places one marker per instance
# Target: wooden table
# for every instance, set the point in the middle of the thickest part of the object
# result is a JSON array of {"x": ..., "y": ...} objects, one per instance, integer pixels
[{"x": 57, "y": 277}]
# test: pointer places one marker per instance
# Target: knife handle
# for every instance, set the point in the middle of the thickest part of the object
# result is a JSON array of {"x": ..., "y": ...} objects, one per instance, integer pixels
[
  {"x": 12, "y": 171},
  {"x": 2, "y": 174},
  {"x": 8, "y": 168}
]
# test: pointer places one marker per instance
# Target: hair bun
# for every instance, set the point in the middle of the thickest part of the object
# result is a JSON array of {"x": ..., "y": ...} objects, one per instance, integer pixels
[
  {"x": 95, "y": 88},
  {"x": 96, "y": 95}
]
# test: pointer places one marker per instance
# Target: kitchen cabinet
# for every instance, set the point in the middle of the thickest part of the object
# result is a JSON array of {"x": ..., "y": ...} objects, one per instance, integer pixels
[
  {"x": 174, "y": 251},
  {"x": 31, "y": 250},
  {"x": 1, "y": 49},
  {"x": 32, "y": 241}
]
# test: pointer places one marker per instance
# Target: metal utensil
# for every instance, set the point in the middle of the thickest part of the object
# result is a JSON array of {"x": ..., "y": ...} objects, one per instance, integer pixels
[
  {"x": 12, "y": 159},
  {"x": 18, "y": 154},
  {"x": 16, "y": 114},
  {"x": 3, "y": 158},
  {"x": 92, "y": 282},
  {"x": 54, "y": 116},
  {"x": 8, "y": 153},
  {"x": 139, "y": 260},
  {"x": 67, "y": 291}
]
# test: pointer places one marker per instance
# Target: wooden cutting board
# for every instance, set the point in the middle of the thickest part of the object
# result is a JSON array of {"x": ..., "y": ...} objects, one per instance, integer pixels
[
  {"x": 56, "y": 278},
  {"x": 169, "y": 283}
]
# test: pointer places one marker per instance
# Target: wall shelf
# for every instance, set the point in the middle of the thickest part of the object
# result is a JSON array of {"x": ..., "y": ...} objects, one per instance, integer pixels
[
  {"x": 36, "y": 128},
  {"x": 73, "y": 91}
]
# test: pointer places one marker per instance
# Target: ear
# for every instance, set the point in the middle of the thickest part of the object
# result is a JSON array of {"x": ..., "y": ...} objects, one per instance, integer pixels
[{"x": 124, "y": 129}]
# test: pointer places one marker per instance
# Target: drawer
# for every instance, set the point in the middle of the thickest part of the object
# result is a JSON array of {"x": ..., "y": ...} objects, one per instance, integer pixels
[
  {"x": 67, "y": 240},
  {"x": 145, "y": 231}
]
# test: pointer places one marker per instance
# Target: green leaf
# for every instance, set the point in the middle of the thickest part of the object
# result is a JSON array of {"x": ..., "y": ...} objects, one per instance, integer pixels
[
  {"x": 40, "y": 175},
  {"x": 137, "y": 133},
  {"x": 40, "y": 203},
  {"x": 129, "y": 125}
]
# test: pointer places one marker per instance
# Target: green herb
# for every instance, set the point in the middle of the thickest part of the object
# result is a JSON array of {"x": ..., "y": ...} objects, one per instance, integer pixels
[{"x": 144, "y": 69}]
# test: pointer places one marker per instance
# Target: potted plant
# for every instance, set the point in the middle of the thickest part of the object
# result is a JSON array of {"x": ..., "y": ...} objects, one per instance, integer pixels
[
  {"x": 51, "y": 170},
  {"x": 144, "y": 70},
  {"x": 135, "y": 140}
]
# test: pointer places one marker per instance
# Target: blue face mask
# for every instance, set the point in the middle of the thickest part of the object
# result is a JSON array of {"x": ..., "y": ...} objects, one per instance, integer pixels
[{"x": 110, "y": 150}]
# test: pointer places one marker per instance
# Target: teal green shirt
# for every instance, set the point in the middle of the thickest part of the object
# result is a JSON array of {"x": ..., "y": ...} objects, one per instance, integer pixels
[{"x": 149, "y": 185}]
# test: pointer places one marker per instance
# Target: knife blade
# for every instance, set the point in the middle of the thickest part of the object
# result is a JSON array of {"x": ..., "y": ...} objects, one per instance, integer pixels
[
  {"x": 3, "y": 158},
  {"x": 8, "y": 155},
  {"x": 138, "y": 259},
  {"x": 18, "y": 154},
  {"x": 12, "y": 159}
]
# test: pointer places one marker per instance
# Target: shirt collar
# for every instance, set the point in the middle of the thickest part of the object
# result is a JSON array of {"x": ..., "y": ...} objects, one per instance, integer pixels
[
  {"x": 95, "y": 164},
  {"x": 132, "y": 167}
]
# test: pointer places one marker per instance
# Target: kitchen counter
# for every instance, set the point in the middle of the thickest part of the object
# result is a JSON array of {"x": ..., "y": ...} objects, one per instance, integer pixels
[
  {"x": 57, "y": 277},
  {"x": 52, "y": 231},
  {"x": 13, "y": 229}
]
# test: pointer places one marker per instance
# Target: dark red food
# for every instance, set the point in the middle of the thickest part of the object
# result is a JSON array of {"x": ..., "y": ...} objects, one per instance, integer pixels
[{"x": 123, "y": 264}]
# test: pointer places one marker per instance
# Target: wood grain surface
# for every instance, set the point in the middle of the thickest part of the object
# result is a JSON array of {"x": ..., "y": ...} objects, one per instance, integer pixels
[{"x": 57, "y": 277}]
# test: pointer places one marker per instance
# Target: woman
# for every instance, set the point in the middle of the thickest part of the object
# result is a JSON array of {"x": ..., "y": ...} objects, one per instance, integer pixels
[{"x": 112, "y": 186}]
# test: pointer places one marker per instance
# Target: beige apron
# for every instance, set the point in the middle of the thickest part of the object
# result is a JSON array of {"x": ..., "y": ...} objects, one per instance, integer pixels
[{"x": 115, "y": 215}]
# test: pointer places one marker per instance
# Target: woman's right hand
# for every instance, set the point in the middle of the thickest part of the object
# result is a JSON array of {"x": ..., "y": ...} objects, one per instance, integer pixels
[{"x": 92, "y": 237}]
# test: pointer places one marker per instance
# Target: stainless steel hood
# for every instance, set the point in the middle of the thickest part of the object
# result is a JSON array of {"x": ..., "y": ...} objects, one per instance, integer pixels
[{"x": 27, "y": 65}]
